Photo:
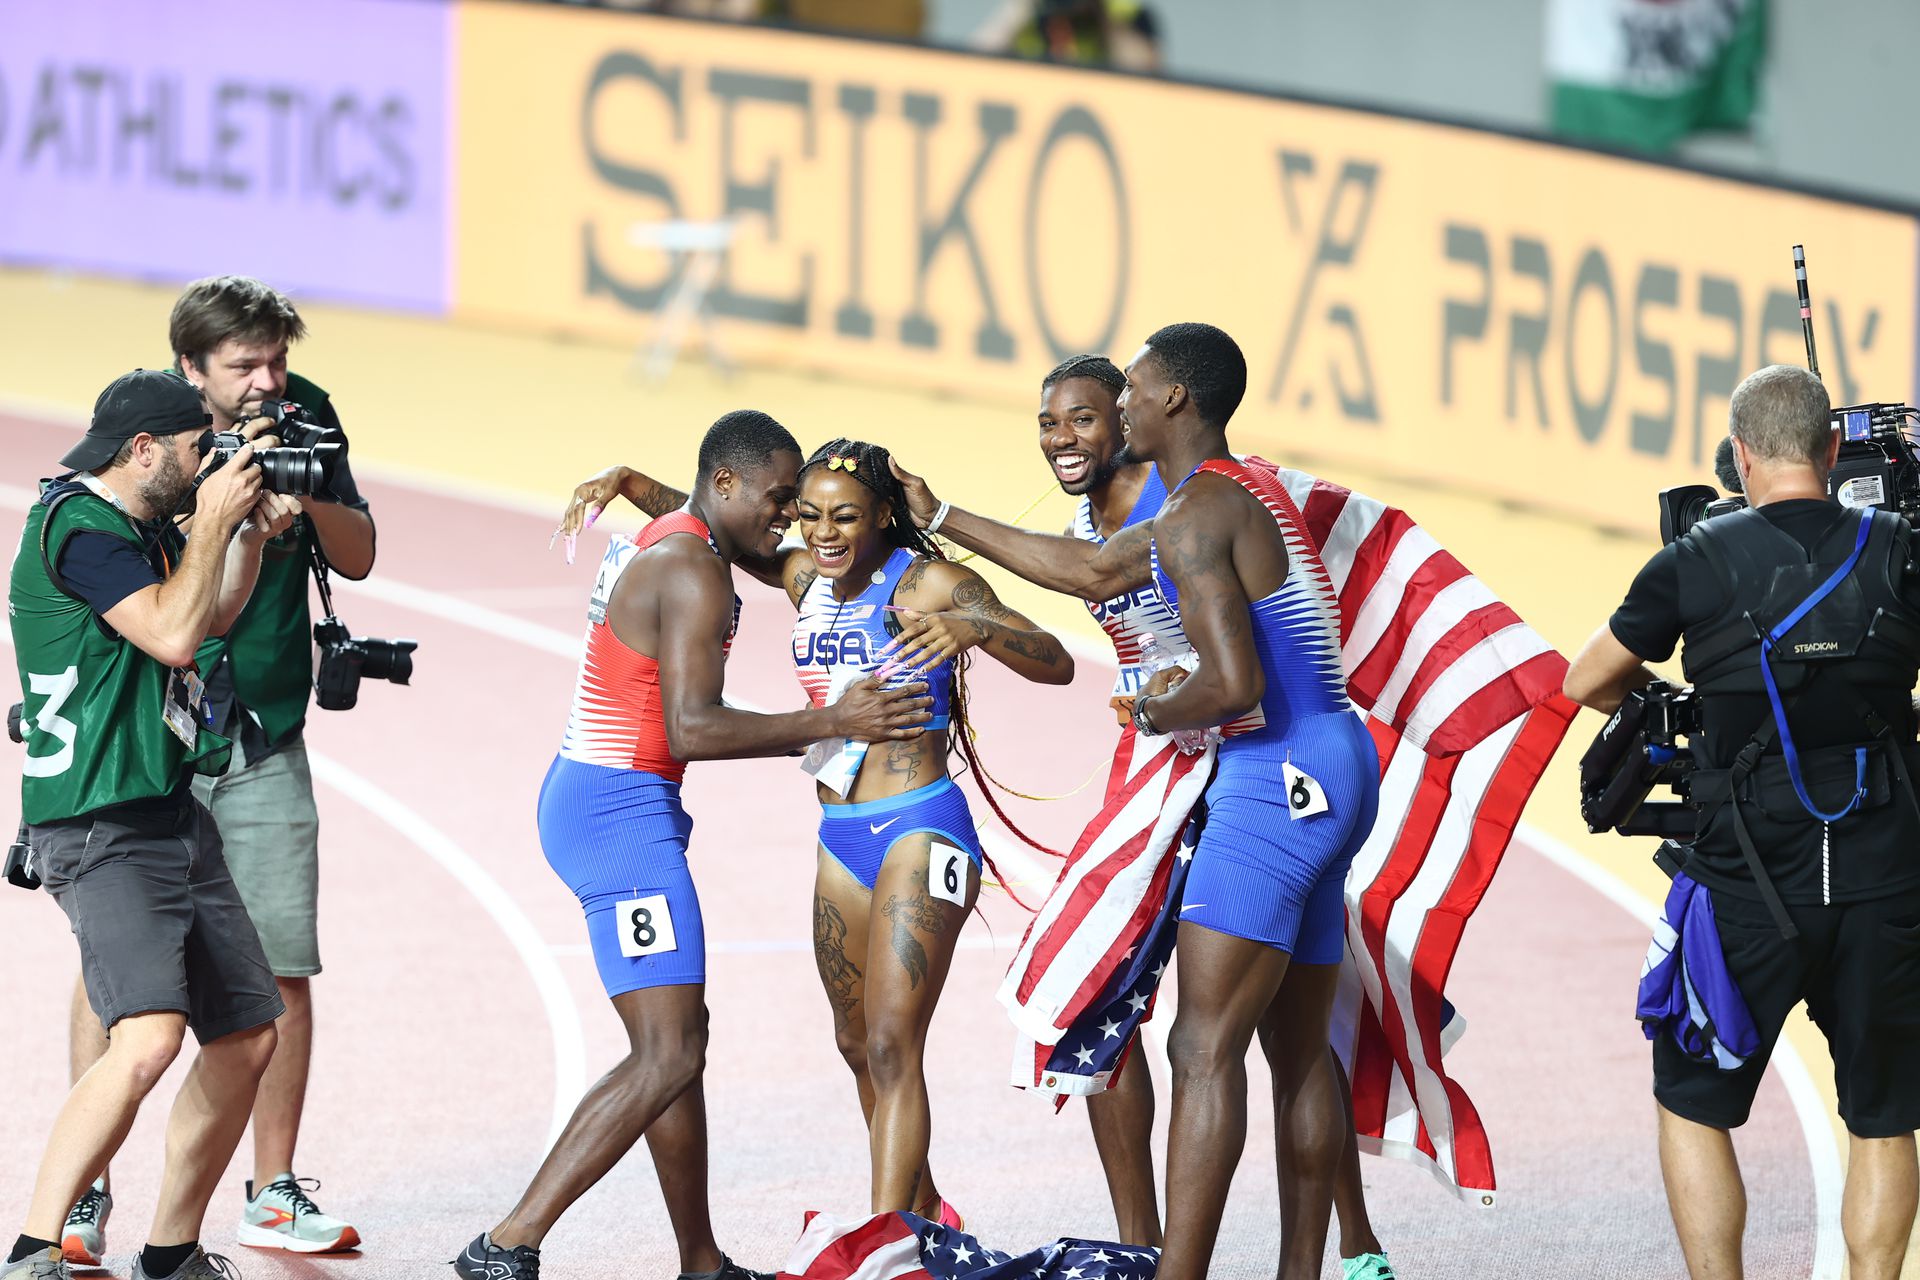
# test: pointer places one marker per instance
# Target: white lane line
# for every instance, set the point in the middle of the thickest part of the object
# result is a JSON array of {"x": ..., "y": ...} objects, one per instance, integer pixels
[
  {"x": 563, "y": 1015},
  {"x": 1823, "y": 1153}
]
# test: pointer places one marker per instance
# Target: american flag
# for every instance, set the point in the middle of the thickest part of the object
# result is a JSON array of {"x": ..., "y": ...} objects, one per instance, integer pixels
[
  {"x": 903, "y": 1246},
  {"x": 1463, "y": 702}
]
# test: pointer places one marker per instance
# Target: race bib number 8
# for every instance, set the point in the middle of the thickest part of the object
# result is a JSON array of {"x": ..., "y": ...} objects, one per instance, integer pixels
[
  {"x": 645, "y": 925},
  {"x": 947, "y": 873},
  {"x": 1305, "y": 795}
]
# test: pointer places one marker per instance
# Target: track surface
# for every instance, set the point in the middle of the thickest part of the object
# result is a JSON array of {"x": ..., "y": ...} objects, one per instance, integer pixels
[{"x": 440, "y": 1055}]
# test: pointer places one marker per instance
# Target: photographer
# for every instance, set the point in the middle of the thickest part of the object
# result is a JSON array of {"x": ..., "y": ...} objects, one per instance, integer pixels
[
  {"x": 108, "y": 604},
  {"x": 1800, "y": 625},
  {"x": 230, "y": 336}
]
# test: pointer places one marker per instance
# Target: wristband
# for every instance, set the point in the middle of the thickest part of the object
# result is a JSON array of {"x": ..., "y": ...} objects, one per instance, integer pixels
[{"x": 939, "y": 518}]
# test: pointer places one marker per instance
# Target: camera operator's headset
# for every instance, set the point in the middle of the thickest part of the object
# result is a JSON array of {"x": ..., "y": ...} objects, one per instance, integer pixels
[{"x": 1748, "y": 758}]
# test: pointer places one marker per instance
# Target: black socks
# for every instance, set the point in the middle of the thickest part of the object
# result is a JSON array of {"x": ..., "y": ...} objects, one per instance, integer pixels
[
  {"x": 159, "y": 1260},
  {"x": 27, "y": 1246}
]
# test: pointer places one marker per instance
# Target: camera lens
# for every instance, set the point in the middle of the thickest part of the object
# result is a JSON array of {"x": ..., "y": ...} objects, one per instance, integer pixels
[
  {"x": 299, "y": 472},
  {"x": 390, "y": 660}
]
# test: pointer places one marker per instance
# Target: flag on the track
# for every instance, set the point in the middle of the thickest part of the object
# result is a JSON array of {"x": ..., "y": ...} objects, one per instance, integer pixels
[
  {"x": 1645, "y": 73},
  {"x": 1463, "y": 702},
  {"x": 904, "y": 1246}
]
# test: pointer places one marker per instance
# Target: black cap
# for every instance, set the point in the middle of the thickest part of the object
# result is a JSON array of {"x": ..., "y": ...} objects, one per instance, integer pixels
[{"x": 156, "y": 402}]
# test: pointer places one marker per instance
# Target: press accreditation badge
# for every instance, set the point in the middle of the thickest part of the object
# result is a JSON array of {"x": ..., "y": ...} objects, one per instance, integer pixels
[
  {"x": 646, "y": 926},
  {"x": 1305, "y": 795},
  {"x": 185, "y": 690}
]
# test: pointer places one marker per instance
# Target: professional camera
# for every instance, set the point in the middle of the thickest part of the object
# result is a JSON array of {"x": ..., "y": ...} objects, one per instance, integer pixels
[
  {"x": 304, "y": 463},
  {"x": 1640, "y": 748},
  {"x": 345, "y": 659}
]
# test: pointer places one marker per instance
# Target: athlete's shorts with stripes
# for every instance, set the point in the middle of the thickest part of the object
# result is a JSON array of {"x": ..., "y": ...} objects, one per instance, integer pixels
[
  {"x": 1260, "y": 873},
  {"x": 618, "y": 837},
  {"x": 858, "y": 836}
]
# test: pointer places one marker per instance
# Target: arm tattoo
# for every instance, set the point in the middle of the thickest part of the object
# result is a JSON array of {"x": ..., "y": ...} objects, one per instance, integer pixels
[
  {"x": 908, "y": 915},
  {"x": 1201, "y": 562},
  {"x": 910, "y": 580},
  {"x": 801, "y": 581},
  {"x": 658, "y": 499},
  {"x": 984, "y": 609},
  {"x": 838, "y": 972},
  {"x": 976, "y": 597}
]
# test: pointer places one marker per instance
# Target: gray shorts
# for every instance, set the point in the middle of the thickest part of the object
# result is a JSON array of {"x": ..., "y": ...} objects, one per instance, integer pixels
[
  {"x": 271, "y": 831},
  {"x": 159, "y": 922}
]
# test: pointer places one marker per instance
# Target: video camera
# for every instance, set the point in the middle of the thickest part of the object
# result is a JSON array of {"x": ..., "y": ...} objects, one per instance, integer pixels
[
  {"x": 1642, "y": 747},
  {"x": 304, "y": 463},
  {"x": 1878, "y": 465}
]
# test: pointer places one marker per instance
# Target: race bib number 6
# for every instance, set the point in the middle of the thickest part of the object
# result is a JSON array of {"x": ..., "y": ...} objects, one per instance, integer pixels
[
  {"x": 645, "y": 925},
  {"x": 1305, "y": 795},
  {"x": 947, "y": 873}
]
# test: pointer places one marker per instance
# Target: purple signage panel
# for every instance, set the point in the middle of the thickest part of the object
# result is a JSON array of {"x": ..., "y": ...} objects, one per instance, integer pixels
[{"x": 305, "y": 142}]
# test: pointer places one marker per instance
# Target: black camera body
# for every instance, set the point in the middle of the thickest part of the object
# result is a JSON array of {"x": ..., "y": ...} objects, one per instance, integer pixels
[
  {"x": 346, "y": 659},
  {"x": 1642, "y": 746},
  {"x": 1878, "y": 466}
]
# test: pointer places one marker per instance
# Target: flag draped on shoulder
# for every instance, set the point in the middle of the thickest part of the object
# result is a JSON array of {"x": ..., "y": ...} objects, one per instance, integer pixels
[
  {"x": 1645, "y": 73},
  {"x": 1463, "y": 701}
]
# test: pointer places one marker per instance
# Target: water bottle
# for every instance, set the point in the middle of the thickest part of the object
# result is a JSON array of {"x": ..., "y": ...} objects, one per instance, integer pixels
[{"x": 1155, "y": 658}]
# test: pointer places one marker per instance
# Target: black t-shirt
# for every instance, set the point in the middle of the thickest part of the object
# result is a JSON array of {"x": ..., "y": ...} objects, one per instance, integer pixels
[
  {"x": 103, "y": 569},
  {"x": 1676, "y": 590}
]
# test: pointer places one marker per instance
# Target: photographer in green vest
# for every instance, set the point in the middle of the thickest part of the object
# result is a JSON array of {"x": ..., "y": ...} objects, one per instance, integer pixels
[
  {"x": 109, "y": 603},
  {"x": 230, "y": 336}
]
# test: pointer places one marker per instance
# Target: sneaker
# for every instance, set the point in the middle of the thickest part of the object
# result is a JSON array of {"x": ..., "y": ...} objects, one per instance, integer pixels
[
  {"x": 1368, "y": 1266},
  {"x": 729, "y": 1270},
  {"x": 200, "y": 1265},
  {"x": 37, "y": 1266},
  {"x": 282, "y": 1217},
  {"x": 485, "y": 1260},
  {"x": 83, "y": 1241}
]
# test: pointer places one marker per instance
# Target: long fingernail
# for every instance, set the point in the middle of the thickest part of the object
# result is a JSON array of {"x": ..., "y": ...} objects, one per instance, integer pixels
[
  {"x": 591, "y": 517},
  {"x": 573, "y": 540}
]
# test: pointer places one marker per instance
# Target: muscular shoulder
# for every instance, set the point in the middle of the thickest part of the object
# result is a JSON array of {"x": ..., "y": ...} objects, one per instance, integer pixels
[{"x": 930, "y": 584}]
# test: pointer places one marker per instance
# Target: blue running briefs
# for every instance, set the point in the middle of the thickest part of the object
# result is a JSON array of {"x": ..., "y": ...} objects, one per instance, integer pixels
[
  {"x": 859, "y": 835},
  {"x": 1261, "y": 874},
  {"x": 618, "y": 837}
]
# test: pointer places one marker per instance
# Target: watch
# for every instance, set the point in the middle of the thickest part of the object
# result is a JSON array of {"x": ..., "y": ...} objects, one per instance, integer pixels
[{"x": 1140, "y": 721}]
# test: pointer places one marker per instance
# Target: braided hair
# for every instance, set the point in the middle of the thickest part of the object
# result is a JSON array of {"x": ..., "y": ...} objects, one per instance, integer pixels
[
  {"x": 871, "y": 469},
  {"x": 1099, "y": 368}
]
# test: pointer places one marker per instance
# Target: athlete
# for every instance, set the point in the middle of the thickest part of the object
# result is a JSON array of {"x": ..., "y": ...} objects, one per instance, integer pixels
[
  {"x": 646, "y": 701},
  {"x": 898, "y": 859},
  {"x": 1082, "y": 442},
  {"x": 1263, "y": 920}
]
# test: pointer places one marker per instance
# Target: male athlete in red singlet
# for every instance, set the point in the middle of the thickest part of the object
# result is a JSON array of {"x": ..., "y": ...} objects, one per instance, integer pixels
[{"x": 647, "y": 700}]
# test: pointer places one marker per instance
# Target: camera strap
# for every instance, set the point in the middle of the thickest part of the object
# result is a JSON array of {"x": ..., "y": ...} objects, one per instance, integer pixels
[{"x": 319, "y": 567}]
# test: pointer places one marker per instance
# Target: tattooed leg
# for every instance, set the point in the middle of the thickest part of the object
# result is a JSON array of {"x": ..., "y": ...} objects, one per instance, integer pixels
[
  {"x": 910, "y": 947},
  {"x": 839, "y": 949}
]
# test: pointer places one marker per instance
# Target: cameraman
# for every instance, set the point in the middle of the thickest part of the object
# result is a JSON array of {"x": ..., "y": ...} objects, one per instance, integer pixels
[
  {"x": 230, "y": 336},
  {"x": 108, "y": 604},
  {"x": 1808, "y": 835}
]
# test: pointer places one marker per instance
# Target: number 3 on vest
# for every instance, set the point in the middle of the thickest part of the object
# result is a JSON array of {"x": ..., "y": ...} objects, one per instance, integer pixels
[
  {"x": 947, "y": 873},
  {"x": 1305, "y": 795},
  {"x": 645, "y": 925}
]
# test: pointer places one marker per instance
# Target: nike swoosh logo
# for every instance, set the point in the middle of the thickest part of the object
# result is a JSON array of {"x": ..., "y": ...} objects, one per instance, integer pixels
[
  {"x": 1191, "y": 906},
  {"x": 876, "y": 830}
]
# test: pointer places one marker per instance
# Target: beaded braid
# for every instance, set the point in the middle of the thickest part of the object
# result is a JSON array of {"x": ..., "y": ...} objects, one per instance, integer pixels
[{"x": 869, "y": 467}]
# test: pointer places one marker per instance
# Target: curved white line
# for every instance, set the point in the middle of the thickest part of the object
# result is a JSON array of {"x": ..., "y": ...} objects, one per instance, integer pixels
[
  {"x": 1823, "y": 1153},
  {"x": 563, "y": 1016}
]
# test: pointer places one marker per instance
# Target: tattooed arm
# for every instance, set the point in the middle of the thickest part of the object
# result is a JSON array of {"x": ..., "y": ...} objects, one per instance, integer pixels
[
  {"x": 656, "y": 498},
  {"x": 1092, "y": 571},
  {"x": 950, "y": 608},
  {"x": 1196, "y": 551}
]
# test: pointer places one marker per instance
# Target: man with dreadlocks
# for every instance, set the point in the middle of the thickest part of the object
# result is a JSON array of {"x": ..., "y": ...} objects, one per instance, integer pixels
[
  {"x": 899, "y": 861},
  {"x": 1263, "y": 919}
]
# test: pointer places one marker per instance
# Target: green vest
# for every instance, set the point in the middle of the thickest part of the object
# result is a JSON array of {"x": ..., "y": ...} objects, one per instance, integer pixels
[
  {"x": 271, "y": 643},
  {"x": 93, "y": 722}
]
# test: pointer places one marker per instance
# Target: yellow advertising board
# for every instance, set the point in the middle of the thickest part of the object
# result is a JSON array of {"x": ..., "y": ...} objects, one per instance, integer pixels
[{"x": 1521, "y": 319}]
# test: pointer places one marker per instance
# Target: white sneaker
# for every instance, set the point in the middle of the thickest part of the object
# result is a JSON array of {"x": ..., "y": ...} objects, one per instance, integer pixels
[
  {"x": 83, "y": 1241},
  {"x": 281, "y": 1216},
  {"x": 36, "y": 1266}
]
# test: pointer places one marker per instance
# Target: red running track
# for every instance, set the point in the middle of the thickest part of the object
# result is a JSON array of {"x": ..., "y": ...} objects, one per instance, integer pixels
[{"x": 458, "y": 999}]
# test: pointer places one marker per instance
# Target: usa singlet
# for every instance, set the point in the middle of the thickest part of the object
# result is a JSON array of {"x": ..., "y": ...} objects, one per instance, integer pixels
[
  {"x": 836, "y": 643},
  {"x": 1298, "y": 778},
  {"x": 611, "y": 822},
  {"x": 1140, "y": 612}
]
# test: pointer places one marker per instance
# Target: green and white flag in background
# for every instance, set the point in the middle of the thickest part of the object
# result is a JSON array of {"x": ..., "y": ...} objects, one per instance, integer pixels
[{"x": 1645, "y": 73}]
